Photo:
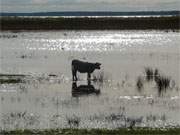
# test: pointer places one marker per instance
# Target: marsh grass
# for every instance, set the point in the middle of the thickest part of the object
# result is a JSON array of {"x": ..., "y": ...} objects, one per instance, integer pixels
[
  {"x": 12, "y": 75},
  {"x": 124, "y": 121},
  {"x": 149, "y": 74},
  {"x": 19, "y": 120},
  {"x": 99, "y": 77},
  {"x": 154, "y": 118},
  {"x": 73, "y": 122},
  {"x": 115, "y": 117},
  {"x": 28, "y": 79},
  {"x": 102, "y": 77},
  {"x": 11, "y": 78},
  {"x": 162, "y": 83},
  {"x": 120, "y": 131},
  {"x": 140, "y": 83},
  {"x": 8, "y": 36}
]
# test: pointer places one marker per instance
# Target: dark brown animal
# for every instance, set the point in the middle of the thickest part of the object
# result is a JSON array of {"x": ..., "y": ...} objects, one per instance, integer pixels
[{"x": 83, "y": 67}]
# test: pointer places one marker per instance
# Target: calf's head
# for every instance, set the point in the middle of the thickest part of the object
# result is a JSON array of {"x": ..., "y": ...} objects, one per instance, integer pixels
[{"x": 97, "y": 65}]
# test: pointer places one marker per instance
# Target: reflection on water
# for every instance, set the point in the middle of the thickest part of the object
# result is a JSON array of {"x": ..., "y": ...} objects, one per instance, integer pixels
[
  {"x": 84, "y": 90},
  {"x": 43, "y": 103}
]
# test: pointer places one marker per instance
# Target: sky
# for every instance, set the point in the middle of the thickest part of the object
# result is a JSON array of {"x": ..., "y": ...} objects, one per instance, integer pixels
[{"x": 87, "y": 5}]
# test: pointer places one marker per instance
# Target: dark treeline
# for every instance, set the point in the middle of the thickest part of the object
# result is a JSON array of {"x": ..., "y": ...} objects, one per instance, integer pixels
[{"x": 85, "y": 23}]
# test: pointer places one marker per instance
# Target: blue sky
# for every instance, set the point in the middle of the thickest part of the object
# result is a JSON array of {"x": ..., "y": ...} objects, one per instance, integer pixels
[{"x": 87, "y": 5}]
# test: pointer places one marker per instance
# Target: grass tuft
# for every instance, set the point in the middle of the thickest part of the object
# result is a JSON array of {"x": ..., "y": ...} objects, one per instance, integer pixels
[
  {"x": 149, "y": 74},
  {"x": 73, "y": 122},
  {"x": 139, "y": 83},
  {"x": 10, "y": 80},
  {"x": 99, "y": 77},
  {"x": 162, "y": 83}
]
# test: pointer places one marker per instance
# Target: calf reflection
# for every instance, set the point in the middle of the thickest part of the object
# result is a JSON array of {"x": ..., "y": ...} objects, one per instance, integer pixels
[{"x": 84, "y": 90}]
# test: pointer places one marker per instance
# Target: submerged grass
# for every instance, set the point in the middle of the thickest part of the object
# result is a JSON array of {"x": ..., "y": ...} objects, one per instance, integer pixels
[
  {"x": 140, "y": 83},
  {"x": 120, "y": 131},
  {"x": 99, "y": 77},
  {"x": 12, "y": 75},
  {"x": 149, "y": 74},
  {"x": 73, "y": 122},
  {"x": 11, "y": 78},
  {"x": 162, "y": 83}
]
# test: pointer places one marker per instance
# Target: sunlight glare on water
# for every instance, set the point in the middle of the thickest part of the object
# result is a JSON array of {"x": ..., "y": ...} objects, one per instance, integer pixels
[{"x": 103, "y": 41}]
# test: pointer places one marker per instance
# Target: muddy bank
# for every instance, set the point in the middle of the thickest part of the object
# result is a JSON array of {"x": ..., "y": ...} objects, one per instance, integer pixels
[{"x": 102, "y": 23}]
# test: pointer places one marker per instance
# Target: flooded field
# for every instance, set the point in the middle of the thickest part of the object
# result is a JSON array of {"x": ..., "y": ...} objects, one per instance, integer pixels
[{"x": 137, "y": 86}]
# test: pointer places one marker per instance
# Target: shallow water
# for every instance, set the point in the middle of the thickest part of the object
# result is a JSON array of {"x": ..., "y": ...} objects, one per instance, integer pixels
[{"x": 46, "y": 99}]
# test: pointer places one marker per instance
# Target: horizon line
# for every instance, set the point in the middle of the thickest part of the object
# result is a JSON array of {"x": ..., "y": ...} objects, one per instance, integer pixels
[{"x": 94, "y": 11}]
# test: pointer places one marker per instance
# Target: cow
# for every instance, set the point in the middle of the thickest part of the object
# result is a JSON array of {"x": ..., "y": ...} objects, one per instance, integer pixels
[{"x": 83, "y": 67}]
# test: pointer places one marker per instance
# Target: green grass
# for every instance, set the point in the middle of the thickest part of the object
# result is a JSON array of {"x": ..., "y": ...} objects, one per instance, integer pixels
[{"x": 121, "y": 131}]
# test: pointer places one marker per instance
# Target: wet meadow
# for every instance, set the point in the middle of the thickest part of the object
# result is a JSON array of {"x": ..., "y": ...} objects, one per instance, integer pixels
[{"x": 137, "y": 86}]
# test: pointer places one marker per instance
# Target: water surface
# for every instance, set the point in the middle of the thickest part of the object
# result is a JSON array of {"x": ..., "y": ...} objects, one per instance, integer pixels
[{"x": 47, "y": 100}]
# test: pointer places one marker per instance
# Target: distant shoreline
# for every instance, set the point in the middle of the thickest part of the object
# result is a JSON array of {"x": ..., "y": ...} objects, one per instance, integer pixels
[
  {"x": 95, "y": 13},
  {"x": 90, "y": 23}
]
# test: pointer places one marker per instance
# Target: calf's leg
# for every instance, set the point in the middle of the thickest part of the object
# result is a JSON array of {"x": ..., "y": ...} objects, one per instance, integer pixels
[
  {"x": 89, "y": 76},
  {"x": 74, "y": 74}
]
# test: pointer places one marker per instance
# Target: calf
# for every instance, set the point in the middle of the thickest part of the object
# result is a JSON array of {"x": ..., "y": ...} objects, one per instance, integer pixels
[{"x": 83, "y": 67}]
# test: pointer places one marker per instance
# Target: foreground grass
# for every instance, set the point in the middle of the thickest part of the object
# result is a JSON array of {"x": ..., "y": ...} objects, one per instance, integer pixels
[{"x": 121, "y": 131}]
